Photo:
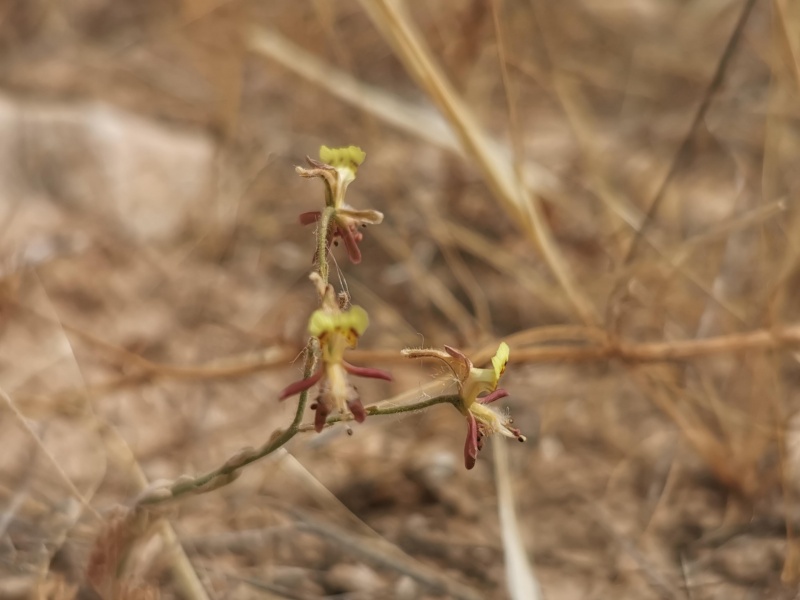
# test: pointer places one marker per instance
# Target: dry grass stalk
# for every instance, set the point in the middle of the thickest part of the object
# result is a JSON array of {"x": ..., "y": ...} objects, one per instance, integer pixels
[
  {"x": 380, "y": 552},
  {"x": 737, "y": 423},
  {"x": 510, "y": 191},
  {"x": 105, "y": 570},
  {"x": 520, "y": 577}
]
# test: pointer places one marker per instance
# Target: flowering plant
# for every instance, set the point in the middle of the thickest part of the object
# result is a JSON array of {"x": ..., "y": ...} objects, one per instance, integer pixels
[{"x": 335, "y": 327}]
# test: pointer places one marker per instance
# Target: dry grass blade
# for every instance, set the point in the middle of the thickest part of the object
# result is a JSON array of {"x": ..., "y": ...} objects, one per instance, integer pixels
[
  {"x": 512, "y": 194},
  {"x": 521, "y": 580},
  {"x": 697, "y": 118},
  {"x": 484, "y": 249},
  {"x": 463, "y": 274},
  {"x": 322, "y": 495},
  {"x": 419, "y": 121},
  {"x": 409, "y": 48},
  {"x": 427, "y": 284},
  {"x": 25, "y": 424},
  {"x": 185, "y": 575},
  {"x": 385, "y": 554}
]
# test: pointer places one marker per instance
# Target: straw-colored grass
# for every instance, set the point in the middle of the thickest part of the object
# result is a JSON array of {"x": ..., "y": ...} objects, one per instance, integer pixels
[{"x": 608, "y": 187}]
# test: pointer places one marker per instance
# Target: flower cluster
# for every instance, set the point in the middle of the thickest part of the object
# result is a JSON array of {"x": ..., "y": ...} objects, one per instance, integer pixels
[
  {"x": 477, "y": 388},
  {"x": 336, "y": 326}
]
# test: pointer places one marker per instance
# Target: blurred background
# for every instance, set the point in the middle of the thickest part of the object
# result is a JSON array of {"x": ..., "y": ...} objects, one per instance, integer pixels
[{"x": 574, "y": 177}]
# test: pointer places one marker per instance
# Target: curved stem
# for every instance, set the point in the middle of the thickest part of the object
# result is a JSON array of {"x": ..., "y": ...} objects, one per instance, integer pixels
[{"x": 231, "y": 469}]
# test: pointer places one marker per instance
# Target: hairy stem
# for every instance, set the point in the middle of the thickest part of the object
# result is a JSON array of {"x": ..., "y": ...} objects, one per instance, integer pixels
[
  {"x": 322, "y": 243},
  {"x": 453, "y": 399},
  {"x": 373, "y": 411},
  {"x": 231, "y": 469}
]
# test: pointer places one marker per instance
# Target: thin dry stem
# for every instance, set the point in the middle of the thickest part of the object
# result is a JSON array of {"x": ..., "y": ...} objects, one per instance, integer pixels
[
  {"x": 520, "y": 576},
  {"x": 380, "y": 552},
  {"x": 430, "y": 285},
  {"x": 713, "y": 85}
]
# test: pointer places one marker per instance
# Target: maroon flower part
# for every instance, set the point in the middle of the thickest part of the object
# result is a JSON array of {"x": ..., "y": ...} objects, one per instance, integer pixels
[
  {"x": 329, "y": 398},
  {"x": 336, "y": 331},
  {"x": 482, "y": 424},
  {"x": 346, "y": 222},
  {"x": 337, "y": 170}
]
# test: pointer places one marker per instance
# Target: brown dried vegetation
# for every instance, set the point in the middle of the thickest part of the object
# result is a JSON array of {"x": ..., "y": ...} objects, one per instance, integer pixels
[{"x": 610, "y": 187}]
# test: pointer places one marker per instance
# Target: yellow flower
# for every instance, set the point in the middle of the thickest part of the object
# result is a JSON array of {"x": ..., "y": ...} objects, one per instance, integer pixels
[
  {"x": 477, "y": 389},
  {"x": 338, "y": 170},
  {"x": 336, "y": 331},
  {"x": 352, "y": 323},
  {"x": 345, "y": 160}
]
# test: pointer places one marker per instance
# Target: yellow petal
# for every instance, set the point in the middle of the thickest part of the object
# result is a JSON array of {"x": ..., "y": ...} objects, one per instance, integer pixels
[
  {"x": 499, "y": 361},
  {"x": 321, "y": 322},
  {"x": 355, "y": 319},
  {"x": 350, "y": 157},
  {"x": 479, "y": 381}
]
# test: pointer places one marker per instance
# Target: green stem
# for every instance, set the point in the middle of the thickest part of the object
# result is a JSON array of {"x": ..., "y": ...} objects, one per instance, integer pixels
[
  {"x": 322, "y": 242},
  {"x": 229, "y": 471},
  {"x": 392, "y": 410},
  {"x": 453, "y": 399}
]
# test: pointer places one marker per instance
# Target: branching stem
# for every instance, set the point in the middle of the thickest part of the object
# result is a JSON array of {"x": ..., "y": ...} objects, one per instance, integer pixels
[{"x": 230, "y": 470}]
